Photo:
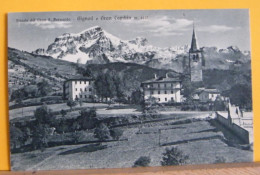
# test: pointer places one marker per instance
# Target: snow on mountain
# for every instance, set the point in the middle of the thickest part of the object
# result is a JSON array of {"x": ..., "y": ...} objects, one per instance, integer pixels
[{"x": 95, "y": 45}]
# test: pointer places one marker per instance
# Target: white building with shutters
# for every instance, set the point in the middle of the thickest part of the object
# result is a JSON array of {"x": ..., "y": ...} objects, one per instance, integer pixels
[
  {"x": 79, "y": 89},
  {"x": 163, "y": 89}
]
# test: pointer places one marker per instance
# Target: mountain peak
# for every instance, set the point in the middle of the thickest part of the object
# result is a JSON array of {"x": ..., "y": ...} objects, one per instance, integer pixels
[
  {"x": 91, "y": 29},
  {"x": 141, "y": 41}
]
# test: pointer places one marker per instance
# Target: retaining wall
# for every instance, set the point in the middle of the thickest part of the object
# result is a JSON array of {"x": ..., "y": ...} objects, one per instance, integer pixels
[{"x": 234, "y": 128}]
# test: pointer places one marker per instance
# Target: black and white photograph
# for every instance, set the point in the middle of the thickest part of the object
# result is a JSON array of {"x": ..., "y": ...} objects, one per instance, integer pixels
[{"x": 121, "y": 89}]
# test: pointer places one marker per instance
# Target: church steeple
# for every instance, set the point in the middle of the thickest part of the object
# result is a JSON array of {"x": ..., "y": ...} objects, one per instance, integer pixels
[
  {"x": 196, "y": 60},
  {"x": 194, "y": 45}
]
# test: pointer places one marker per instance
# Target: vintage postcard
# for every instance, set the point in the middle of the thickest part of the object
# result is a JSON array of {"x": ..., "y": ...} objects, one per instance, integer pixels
[{"x": 115, "y": 89}]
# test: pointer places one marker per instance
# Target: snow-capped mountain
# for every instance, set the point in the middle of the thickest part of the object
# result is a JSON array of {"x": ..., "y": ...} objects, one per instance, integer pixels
[{"x": 95, "y": 45}]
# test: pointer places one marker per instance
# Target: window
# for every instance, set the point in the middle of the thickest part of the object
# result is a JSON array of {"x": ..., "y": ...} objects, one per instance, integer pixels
[
  {"x": 152, "y": 92},
  {"x": 159, "y": 92},
  {"x": 158, "y": 85},
  {"x": 90, "y": 89},
  {"x": 172, "y": 99},
  {"x": 85, "y": 82},
  {"x": 80, "y": 96},
  {"x": 165, "y": 99},
  {"x": 79, "y": 82},
  {"x": 165, "y": 92},
  {"x": 165, "y": 85},
  {"x": 85, "y": 89},
  {"x": 171, "y": 85},
  {"x": 151, "y": 85},
  {"x": 172, "y": 92},
  {"x": 75, "y": 82},
  {"x": 76, "y": 89},
  {"x": 159, "y": 99},
  {"x": 85, "y": 96},
  {"x": 80, "y": 90},
  {"x": 76, "y": 96}
]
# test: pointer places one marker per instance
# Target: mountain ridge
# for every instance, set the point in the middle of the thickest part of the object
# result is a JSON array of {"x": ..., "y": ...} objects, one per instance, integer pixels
[{"x": 96, "y": 46}]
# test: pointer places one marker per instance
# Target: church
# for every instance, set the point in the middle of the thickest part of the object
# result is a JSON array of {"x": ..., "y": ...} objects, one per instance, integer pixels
[{"x": 194, "y": 65}]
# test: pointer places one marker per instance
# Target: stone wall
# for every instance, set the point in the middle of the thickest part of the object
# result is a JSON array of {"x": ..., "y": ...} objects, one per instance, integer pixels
[{"x": 234, "y": 128}]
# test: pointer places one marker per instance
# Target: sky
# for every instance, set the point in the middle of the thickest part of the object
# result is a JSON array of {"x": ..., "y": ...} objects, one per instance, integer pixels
[{"x": 162, "y": 28}]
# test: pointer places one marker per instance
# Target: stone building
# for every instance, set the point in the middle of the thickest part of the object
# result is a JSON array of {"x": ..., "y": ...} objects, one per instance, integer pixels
[{"x": 163, "y": 89}]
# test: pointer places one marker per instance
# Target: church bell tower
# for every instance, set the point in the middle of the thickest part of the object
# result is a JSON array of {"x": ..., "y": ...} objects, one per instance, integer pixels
[{"x": 196, "y": 60}]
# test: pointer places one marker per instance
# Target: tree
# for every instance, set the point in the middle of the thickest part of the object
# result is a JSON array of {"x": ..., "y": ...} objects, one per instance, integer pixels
[
  {"x": 71, "y": 103},
  {"x": 143, "y": 161},
  {"x": 43, "y": 115},
  {"x": 43, "y": 88},
  {"x": 219, "y": 104},
  {"x": 63, "y": 112},
  {"x": 102, "y": 132},
  {"x": 174, "y": 156},
  {"x": 87, "y": 118},
  {"x": 240, "y": 95},
  {"x": 151, "y": 107},
  {"x": 17, "y": 137},
  {"x": 109, "y": 85},
  {"x": 39, "y": 136},
  {"x": 83, "y": 71},
  {"x": 137, "y": 97},
  {"x": 18, "y": 95}
]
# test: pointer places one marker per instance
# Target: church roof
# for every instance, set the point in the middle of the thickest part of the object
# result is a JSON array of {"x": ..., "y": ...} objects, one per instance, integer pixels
[{"x": 194, "y": 45}]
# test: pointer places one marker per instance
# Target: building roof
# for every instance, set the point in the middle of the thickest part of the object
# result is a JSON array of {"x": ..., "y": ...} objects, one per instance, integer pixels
[
  {"x": 79, "y": 78},
  {"x": 212, "y": 91},
  {"x": 162, "y": 80},
  {"x": 194, "y": 45}
]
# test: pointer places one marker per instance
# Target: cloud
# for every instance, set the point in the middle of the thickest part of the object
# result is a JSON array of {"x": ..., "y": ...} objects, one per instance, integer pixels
[
  {"x": 163, "y": 25},
  {"x": 216, "y": 28},
  {"x": 50, "y": 24}
]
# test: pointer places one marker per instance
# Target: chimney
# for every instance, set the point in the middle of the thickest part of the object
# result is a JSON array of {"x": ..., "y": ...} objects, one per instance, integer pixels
[{"x": 155, "y": 76}]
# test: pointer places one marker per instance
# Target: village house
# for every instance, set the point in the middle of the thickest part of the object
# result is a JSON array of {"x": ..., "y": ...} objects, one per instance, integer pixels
[
  {"x": 78, "y": 89},
  {"x": 163, "y": 89},
  {"x": 206, "y": 95}
]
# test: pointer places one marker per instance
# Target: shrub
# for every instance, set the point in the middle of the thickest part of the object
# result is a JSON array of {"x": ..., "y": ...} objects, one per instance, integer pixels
[
  {"x": 87, "y": 118},
  {"x": 71, "y": 103},
  {"x": 143, "y": 161},
  {"x": 63, "y": 127},
  {"x": 43, "y": 115},
  {"x": 43, "y": 88},
  {"x": 102, "y": 132},
  {"x": 63, "y": 112},
  {"x": 116, "y": 133},
  {"x": 17, "y": 137},
  {"x": 174, "y": 156}
]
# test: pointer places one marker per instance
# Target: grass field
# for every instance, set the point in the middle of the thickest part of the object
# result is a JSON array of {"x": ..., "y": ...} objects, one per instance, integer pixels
[
  {"x": 29, "y": 111},
  {"x": 203, "y": 144}
]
